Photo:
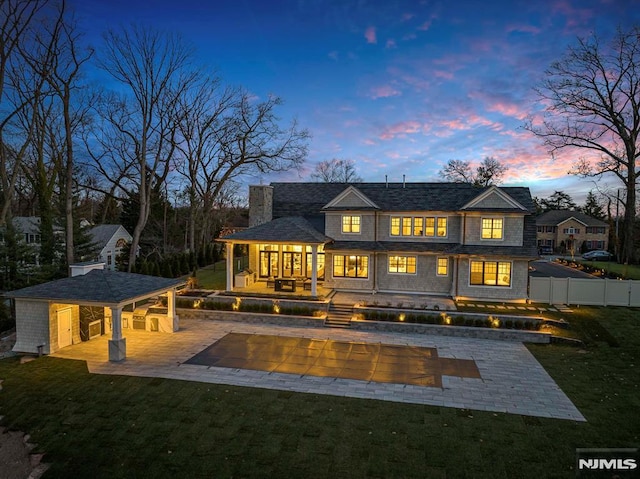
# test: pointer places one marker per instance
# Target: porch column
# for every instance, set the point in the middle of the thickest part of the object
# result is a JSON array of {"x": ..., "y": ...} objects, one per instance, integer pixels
[
  {"x": 454, "y": 278},
  {"x": 173, "y": 323},
  {"x": 117, "y": 344},
  {"x": 229, "y": 266},
  {"x": 314, "y": 270}
]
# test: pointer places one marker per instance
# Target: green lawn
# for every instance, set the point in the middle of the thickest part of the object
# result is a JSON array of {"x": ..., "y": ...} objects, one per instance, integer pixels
[
  {"x": 214, "y": 276},
  {"x": 123, "y": 427},
  {"x": 629, "y": 271}
]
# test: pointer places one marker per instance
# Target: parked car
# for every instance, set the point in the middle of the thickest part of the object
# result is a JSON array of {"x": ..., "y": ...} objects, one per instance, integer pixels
[{"x": 598, "y": 255}]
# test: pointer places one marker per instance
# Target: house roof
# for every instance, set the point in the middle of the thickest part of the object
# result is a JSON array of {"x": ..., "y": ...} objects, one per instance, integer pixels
[
  {"x": 303, "y": 199},
  {"x": 101, "y": 234},
  {"x": 98, "y": 286},
  {"x": 556, "y": 217},
  {"x": 294, "y": 229},
  {"x": 30, "y": 224}
]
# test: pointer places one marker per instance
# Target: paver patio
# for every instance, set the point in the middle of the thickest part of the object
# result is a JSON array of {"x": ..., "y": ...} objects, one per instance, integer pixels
[{"x": 511, "y": 380}]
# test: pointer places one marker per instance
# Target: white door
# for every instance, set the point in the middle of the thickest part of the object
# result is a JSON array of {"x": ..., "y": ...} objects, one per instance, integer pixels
[{"x": 64, "y": 328}]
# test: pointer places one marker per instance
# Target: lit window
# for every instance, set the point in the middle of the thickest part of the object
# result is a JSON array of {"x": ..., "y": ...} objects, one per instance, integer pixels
[
  {"x": 406, "y": 226},
  {"x": 442, "y": 226},
  {"x": 491, "y": 228},
  {"x": 443, "y": 267},
  {"x": 418, "y": 227},
  {"x": 352, "y": 266},
  {"x": 430, "y": 226},
  {"x": 351, "y": 224},
  {"x": 402, "y": 264},
  {"x": 395, "y": 226},
  {"x": 490, "y": 273}
]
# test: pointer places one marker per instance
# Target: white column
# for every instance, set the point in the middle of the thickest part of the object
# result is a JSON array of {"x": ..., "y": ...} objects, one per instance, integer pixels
[
  {"x": 314, "y": 270},
  {"x": 116, "y": 323},
  {"x": 117, "y": 344},
  {"x": 229, "y": 266},
  {"x": 170, "y": 323}
]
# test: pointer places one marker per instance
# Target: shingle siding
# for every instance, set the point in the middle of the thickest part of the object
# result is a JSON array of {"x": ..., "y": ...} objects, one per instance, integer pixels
[{"x": 33, "y": 329}]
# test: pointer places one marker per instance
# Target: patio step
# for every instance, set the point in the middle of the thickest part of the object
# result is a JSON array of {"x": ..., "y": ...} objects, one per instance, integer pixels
[{"x": 339, "y": 316}]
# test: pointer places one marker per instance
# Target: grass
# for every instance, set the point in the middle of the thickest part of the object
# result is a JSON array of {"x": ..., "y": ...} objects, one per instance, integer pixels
[
  {"x": 124, "y": 427},
  {"x": 628, "y": 271}
]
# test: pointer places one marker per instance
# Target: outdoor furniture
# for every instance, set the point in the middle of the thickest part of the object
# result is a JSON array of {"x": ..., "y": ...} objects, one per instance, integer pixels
[{"x": 282, "y": 284}]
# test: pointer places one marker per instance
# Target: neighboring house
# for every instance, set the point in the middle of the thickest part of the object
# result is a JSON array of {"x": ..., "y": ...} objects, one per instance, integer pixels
[
  {"x": 564, "y": 230},
  {"x": 110, "y": 241},
  {"x": 28, "y": 229},
  {"x": 447, "y": 239}
]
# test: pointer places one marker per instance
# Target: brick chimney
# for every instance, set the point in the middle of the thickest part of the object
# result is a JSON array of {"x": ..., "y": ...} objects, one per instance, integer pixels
[{"x": 260, "y": 204}]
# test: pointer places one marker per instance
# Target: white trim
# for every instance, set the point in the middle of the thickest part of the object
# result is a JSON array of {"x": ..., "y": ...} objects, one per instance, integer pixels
[
  {"x": 349, "y": 190},
  {"x": 494, "y": 190},
  {"x": 350, "y": 215},
  {"x": 493, "y": 286}
]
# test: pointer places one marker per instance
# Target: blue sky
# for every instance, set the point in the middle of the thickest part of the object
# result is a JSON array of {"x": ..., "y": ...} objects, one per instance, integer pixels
[{"x": 400, "y": 87}]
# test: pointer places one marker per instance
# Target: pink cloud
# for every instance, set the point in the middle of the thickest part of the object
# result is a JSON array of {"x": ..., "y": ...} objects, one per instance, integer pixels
[
  {"x": 400, "y": 129},
  {"x": 370, "y": 35},
  {"x": 509, "y": 109},
  {"x": 391, "y": 43},
  {"x": 384, "y": 91},
  {"x": 407, "y": 16}
]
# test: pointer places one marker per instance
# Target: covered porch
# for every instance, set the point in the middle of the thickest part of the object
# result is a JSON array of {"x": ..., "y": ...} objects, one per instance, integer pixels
[{"x": 285, "y": 255}]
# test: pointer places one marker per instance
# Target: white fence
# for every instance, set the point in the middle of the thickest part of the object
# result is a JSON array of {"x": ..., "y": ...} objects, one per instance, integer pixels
[{"x": 595, "y": 292}]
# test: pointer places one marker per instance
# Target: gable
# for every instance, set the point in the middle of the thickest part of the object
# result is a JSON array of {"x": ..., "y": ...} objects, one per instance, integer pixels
[
  {"x": 494, "y": 198},
  {"x": 351, "y": 198}
]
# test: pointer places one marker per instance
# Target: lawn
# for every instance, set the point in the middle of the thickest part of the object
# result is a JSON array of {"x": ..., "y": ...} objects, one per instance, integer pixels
[
  {"x": 125, "y": 427},
  {"x": 214, "y": 276},
  {"x": 628, "y": 271}
]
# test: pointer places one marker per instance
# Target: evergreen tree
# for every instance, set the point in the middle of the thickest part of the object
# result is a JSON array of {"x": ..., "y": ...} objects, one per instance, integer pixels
[
  {"x": 559, "y": 201},
  {"x": 592, "y": 207}
]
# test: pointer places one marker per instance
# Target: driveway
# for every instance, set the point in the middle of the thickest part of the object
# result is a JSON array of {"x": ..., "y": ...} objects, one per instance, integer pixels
[
  {"x": 546, "y": 268},
  {"x": 499, "y": 376}
]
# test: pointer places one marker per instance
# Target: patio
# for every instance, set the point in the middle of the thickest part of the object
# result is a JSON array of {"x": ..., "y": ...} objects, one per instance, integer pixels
[{"x": 511, "y": 380}]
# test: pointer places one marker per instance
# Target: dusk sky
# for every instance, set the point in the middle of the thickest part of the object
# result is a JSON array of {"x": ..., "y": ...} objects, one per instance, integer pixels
[{"x": 400, "y": 87}]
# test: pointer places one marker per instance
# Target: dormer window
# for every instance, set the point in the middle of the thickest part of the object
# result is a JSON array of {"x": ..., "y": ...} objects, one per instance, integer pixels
[{"x": 351, "y": 224}]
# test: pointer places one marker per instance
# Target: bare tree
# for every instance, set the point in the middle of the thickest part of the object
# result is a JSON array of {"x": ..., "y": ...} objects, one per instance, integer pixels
[
  {"x": 17, "y": 17},
  {"x": 489, "y": 172},
  {"x": 139, "y": 144},
  {"x": 336, "y": 171},
  {"x": 593, "y": 98}
]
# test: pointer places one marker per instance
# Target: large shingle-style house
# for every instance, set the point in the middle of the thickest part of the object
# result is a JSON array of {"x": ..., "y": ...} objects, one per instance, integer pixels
[
  {"x": 446, "y": 239},
  {"x": 565, "y": 230},
  {"x": 109, "y": 240}
]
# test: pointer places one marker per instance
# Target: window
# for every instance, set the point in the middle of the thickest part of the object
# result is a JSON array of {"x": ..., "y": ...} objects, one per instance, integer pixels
[
  {"x": 402, "y": 264},
  {"x": 430, "y": 226},
  {"x": 418, "y": 226},
  {"x": 350, "y": 266},
  {"x": 571, "y": 231},
  {"x": 395, "y": 226},
  {"x": 490, "y": 273},
  {"x": 595, "y": 229},
  {"x": 443, "y": 267},
  {"x": 351, "y": 224},
  {"x": 550, "y": 229},
  {"x": 406, "y": 226},
  {"x": 442, "y": 227},
  {"x": 491, "y": 228}
]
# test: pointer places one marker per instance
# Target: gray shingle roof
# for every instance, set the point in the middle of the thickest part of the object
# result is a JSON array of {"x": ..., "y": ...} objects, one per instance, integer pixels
[
  {"x": 289, "y": 229},
  {"x": 306, "y": 199},
  {"x": 99, "y": 286},
  {"x": 101, "y": 234},
  {"x": 555, "y": 217}
]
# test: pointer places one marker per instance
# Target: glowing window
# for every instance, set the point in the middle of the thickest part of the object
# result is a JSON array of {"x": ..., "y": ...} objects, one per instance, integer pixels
[
  {"x": 492, "y": 228},
  {"x": 402, "y": 264}
]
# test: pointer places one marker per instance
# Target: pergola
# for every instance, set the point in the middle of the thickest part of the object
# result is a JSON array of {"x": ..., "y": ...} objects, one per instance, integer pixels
[
  {"x": 290, "y": 230},
  {"x": 98, "y": 287}
]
